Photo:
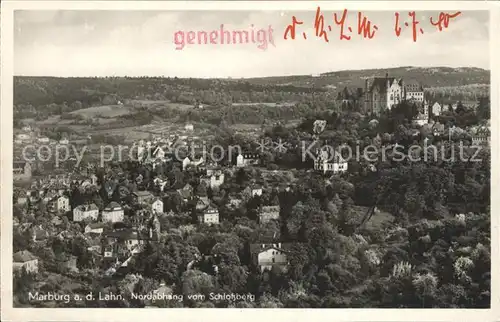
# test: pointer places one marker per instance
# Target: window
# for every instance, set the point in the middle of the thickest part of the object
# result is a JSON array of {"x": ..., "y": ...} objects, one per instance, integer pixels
[
  {"x": 392, "y": 97},
  {"x": 273, "y": 260}
]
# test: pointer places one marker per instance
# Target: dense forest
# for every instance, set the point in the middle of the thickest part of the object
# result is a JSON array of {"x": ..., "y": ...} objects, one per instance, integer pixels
[{"x": 41, "y": 97}]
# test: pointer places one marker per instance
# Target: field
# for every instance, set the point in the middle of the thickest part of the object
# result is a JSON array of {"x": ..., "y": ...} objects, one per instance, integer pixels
[
  {"x": 160, "y": 104},
  {"x": 265, "y": 104},
  {"x": 104, "y": 111},
  {"x": 376, "y": 222}
]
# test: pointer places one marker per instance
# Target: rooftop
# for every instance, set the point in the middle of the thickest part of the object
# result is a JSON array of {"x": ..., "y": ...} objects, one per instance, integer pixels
[
  {"x": 142, "y": 193},
  {"x": 23, "y": 256},
  {"x": 112, "y": 205}
]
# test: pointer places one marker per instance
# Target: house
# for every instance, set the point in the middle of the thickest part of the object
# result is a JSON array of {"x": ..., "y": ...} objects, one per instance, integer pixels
[
  {"x": 94, "y": 245},
  {"x": 186, "y": 193},
  {"x": 481, "y": 136},
  {"x": 436, "y": 109},
  {"x": 269, "y": 256},
  {"x": 203, "y": 203},
  {"x": 421, "y": 119},
  {"x": 157, "y": 206},
  {"x": 187, "y": 162},
  {"x": 382, "y": 93},
  {"x": 209, "y": 216},
  {"x": 211, "y": 169},
  {"x": 189, "y": 127},
  {"x": 268, "y": 213},
  {"x": 56, "y": 221},
  {"x": 234, "y": 203},
  {"x": 95, "y": 228},
  {"x": 414, "y": 92},
  {"x": 246, "y": 159},
  {"x": 83, "y": 212},
  {"x": 329, "y": 160},
  {"x": 43, "y": 140},
  {"x": 63, "y": 204},
  {"x": 216, "y": 179},
  {"x": 21, "y": 171},
  {"x": 319, "y": 126},
  {"x": 22, "y": 198},
  {"x": 122, "y": 241},
  {"x": 93, "y": 179},
  {"x": 108, "y": 251},
  {"x": 142, "y": 197},
  {"x": 63, "y": 141},
  {"x": 154, "y": 228},
  {"x": 109, "y": 187},
  {"x": 256, "y": 191},
  {"x": 39, "y": 234},
  {"x": 113, "y": 213},
  {"x": 437, "y": 129},
  {"x": 160, "y": 182},
  {"x": 25, "y": 260}
]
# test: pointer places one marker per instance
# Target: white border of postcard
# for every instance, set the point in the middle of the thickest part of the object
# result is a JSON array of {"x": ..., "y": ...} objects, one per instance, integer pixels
[{"x": 78, "y": 314}]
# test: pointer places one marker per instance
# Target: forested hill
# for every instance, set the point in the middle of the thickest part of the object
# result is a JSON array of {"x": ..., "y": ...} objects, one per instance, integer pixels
[
  {"x": 40, "y": 91},
  {"x": 427, "y": 76}
]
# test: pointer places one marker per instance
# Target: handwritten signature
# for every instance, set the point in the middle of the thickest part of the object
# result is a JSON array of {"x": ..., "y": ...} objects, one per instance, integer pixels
[{"x": 366, "y": 29}]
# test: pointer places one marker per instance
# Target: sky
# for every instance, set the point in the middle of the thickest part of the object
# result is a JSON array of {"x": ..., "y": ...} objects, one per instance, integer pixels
[{"x": 141, "y": 43}]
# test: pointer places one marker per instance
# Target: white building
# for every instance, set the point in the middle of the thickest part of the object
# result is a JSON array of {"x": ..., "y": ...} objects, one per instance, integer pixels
[
  {"x": 157, "y": 206},
  {"x": 269, "y": 213},
  {"x": 243, "y": 160},
  {"x": 256, "y": 191},
  {"x": 94, "y": 228},
  {"x": 481, "y": 137},
  {"x": 83, "y": 212},
  {"x": 210, "y": 216},
  {"x": 420, "y": 120},
  {"x": 436, "y": 109},
  {"x": 187, "y": 163},
  {"x": 113, "y": 213},
  {"x": 189, "y": 127},
  {"x": 414, "y": 92},
  {"x": 25, "y": 260},
  {"x": 63, "y": 204},
  {"x": 43, "y": 140},
  {"x": 330, "y": 161},
  {"x": 268, "y": 256},
  {"x": 216, "y": 179}
]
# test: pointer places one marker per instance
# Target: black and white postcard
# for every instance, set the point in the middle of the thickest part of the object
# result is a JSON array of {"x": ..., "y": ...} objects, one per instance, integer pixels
[{"x": 319, "y": 159}]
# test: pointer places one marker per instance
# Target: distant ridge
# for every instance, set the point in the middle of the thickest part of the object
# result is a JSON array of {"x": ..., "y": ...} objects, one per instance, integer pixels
[{"x": 427, "y": 76}]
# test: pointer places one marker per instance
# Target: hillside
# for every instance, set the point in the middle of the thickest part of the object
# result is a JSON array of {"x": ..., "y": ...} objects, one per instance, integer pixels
[
  {"x": 44, "y": 97},
  {"x": 428, "y": 77}
]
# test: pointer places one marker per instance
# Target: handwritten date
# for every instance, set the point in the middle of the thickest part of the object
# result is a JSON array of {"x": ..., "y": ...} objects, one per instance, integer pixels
[{"x": 365, "y": 28}]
